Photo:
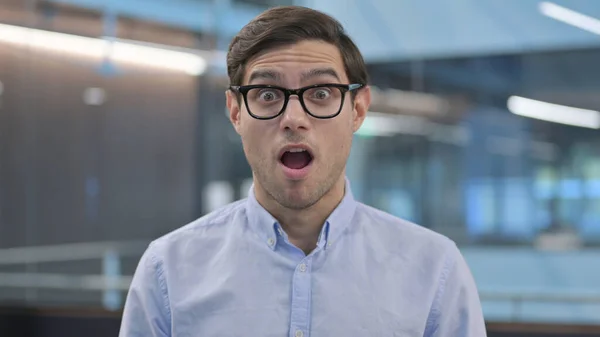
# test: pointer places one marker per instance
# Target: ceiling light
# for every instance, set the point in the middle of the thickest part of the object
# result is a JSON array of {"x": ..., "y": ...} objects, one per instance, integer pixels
[
  {"x": 98, "y": 48},
  {"x": 570, "y": 17},
  {"x": 553, "y": 112}
]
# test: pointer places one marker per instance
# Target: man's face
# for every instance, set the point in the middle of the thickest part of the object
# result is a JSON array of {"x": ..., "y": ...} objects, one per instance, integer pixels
[{"x": 296, "y": 158}]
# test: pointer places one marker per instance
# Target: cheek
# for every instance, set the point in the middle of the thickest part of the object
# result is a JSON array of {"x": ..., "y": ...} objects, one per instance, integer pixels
[
  {"x": 251, "y": 145},
  {"x": 337, "y": 141},
  {"x": 255, "y": 141},
  {"x": 248, "y": 139}
]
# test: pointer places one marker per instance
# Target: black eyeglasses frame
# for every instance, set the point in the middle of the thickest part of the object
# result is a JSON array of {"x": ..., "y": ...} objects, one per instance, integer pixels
[{"x": 344, "y": 88}]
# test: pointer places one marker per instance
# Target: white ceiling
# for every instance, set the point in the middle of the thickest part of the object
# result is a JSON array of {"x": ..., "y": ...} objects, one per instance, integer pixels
[
  {"x": 390, "y": 30},
  {"x": 393, "y": 30}
]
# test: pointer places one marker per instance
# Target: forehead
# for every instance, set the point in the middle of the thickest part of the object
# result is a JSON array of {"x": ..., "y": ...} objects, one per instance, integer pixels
[{"x": 298, "y": 61}]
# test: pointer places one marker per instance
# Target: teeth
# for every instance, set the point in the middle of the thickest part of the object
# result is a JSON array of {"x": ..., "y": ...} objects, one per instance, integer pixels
[{"x": 296, "y": 150}]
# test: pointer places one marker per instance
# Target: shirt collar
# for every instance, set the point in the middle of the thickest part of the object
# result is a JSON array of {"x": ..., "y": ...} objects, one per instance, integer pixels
[
  {"x": 270, "y": 232},
  {"x": 341, "y": 217},
  {"x": 261, "y": 221}
]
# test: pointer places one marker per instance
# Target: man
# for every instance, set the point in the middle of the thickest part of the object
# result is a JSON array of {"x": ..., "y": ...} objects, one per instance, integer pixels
[{"x": 300, "y": 257}]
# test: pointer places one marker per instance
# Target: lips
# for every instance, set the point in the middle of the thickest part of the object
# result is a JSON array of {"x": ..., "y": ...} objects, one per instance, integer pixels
[{"x": 296, "y": 161}]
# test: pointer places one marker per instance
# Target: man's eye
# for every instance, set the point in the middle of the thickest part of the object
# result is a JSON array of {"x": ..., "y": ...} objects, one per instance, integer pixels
[
  {"x": 267, "y": 96},
  {"x": 322, "y": 94}
]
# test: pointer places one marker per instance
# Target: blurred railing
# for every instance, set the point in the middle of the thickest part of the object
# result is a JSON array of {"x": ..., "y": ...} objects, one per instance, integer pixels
[
  {"x": 70, "y": 252},
  {"x": 109, "y": 280},
  {"x": 114, "y": 285},
  {"x": 526, "y": 306}
]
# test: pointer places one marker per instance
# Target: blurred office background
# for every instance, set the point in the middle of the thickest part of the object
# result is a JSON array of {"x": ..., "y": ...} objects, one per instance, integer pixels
[{"x": 484, "y": 127}]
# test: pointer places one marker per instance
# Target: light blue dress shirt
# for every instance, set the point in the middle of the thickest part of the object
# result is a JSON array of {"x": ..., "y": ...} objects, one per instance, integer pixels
[{"x": 233, "y": 272}]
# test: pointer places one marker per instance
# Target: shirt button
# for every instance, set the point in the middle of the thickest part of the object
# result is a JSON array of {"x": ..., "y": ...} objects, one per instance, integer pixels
[
  {"x": 302, "y": 269},
  {"x": 299, "y": 333},
  {"x": 271, "y": 241}
]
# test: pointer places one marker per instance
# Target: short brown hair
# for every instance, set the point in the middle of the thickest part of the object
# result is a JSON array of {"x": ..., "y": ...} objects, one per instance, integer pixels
[{"x": 286, "y": 25}]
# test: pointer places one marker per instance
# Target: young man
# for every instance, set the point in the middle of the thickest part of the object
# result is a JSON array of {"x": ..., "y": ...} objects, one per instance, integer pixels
[{"x": 300, "y": 257}]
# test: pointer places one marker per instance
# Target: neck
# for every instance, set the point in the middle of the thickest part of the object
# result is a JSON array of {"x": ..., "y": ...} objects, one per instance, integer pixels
[{"x": 304, "y": 226}]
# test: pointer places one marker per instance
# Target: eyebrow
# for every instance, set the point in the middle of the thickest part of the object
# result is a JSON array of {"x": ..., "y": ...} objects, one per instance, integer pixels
[
  {"x": 265, "y": 75},
  {"x": 275, "y": 76},
  {"x": 320, "y": 72}
]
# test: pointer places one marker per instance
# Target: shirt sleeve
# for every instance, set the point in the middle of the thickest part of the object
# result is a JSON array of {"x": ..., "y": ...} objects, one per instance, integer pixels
[
  {"x": 456, "y": 311},
  {"x": 146, "y": 312}
]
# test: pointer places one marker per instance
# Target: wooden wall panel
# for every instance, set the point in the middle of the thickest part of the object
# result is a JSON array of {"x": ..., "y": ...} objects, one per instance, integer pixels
[{"x": 137, "y": 150}]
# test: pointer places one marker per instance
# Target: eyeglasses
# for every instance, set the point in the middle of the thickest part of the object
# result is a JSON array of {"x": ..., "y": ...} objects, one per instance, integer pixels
[{"x": 320, "y": 100}]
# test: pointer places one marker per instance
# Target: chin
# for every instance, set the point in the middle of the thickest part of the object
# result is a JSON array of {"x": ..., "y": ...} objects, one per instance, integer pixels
[
  {"x": 297, "y": 203},
  {"x": 292, "y": 194}
]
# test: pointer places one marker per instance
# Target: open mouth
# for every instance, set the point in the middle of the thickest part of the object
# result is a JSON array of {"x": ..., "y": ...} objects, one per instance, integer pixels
[{"x": 296, "y": 159}]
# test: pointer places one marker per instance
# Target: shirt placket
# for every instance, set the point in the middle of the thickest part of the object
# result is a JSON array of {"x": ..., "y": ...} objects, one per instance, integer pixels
[{"x": 301, "y": 296}]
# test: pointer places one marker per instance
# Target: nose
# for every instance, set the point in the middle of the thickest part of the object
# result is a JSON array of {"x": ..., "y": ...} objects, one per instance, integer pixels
[{"x": 294, "y": 116}]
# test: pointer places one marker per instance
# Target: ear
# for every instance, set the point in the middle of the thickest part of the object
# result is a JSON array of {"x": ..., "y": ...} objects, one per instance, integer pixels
[
  {"x": 362, "y": 102},
  {"x": 234, "y": 109}
]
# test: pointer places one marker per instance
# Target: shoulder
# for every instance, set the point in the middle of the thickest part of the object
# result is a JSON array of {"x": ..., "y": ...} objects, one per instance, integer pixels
[
  {"x": 212, "y": 227},
  {"x": 431, "y": 258},
  {"x": 404, "y": 237}
]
